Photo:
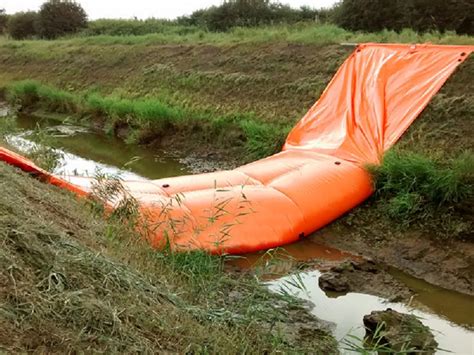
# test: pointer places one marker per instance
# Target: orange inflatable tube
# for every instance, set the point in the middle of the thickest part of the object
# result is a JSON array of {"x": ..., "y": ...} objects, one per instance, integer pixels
[{"x": 373, "y": 98}]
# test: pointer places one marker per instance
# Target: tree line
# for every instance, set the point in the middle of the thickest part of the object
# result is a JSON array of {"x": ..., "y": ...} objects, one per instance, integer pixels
[
  {"x": 419, "y": 15},
  {"x": 61, "y": 17},
  {"x": 54, "y": 19}
]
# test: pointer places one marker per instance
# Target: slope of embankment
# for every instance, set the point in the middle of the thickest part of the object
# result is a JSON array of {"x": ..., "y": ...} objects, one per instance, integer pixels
[{"x": 234, "y": 101}]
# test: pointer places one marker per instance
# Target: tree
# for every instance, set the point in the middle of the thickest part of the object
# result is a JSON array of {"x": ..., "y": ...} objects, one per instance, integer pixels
[
  {"x": 60, "y": 17},
  {"x": 3, "y": 21},
  {"x": 442, "y": 15},
  {"x": 372, "y": 15},
  {"x": 419, "y": 15},
  {"x": 23, "y": 25}
]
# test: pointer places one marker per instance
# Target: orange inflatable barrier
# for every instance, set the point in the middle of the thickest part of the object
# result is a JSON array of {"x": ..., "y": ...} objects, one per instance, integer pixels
[{"x": 373, "y": 98}]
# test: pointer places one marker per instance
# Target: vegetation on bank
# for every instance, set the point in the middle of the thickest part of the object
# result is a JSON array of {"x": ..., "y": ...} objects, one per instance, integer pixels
[
  {"x": 413, "y": 187},
  {"x": 75, "y": 282},
  {"x": 304, "y": 33},
  {"x": 150, "y": 118}
]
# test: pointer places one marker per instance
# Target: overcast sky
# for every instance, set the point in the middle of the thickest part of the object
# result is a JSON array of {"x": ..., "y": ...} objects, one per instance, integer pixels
[{"x": 143, "y": 8}]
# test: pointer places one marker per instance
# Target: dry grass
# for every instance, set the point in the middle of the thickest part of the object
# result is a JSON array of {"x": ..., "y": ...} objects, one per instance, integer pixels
[{"x": 71, "y": 282}]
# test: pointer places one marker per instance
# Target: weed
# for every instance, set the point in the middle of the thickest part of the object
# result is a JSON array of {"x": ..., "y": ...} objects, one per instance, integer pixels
[
  {"x": 27, "y": 93},
  {"x": 108, "y": 192},
  {"x": 263, "y": 139},
  {"x": 42, "y": 152},
  {"x": 422, "y": 179},
  {"x": 7, "y": 126}
]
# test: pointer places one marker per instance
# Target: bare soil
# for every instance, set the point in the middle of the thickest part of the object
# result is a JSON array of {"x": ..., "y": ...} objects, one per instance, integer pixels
[{"x": 448, "y": 264}]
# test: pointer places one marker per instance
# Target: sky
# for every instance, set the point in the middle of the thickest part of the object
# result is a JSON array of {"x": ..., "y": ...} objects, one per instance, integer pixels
[{"x": 143, "y": 8}]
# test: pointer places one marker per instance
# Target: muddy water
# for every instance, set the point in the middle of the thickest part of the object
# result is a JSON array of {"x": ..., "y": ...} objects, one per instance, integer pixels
[
  {"x": 347, "y": 312},
  {"x": 86, "y": 151},
  {"x": 448, "y": 313}
]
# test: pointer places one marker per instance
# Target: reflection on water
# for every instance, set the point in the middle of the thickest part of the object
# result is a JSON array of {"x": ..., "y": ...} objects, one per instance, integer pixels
[
  {"x": 455, "y": 306},
  {"x": 292, "y": 254},
  {"x": 446, "y": 311},
  {"x": 85, "y": 152},
  {"x": 348, "y": 311}
]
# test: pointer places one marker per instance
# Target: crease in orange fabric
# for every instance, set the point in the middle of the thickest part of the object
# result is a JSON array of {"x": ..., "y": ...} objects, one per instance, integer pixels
[{"x": 373, "y": 98}]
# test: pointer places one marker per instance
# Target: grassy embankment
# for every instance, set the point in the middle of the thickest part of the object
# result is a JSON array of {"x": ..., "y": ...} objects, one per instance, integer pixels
[
  {"x": 71, "y": 281},
  {"x": 426, "y": 182},
  {"x": 239, "y": 93}
]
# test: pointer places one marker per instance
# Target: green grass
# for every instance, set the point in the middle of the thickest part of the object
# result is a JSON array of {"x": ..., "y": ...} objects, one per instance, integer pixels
[
  {"x": 414, "y": 188},
  {"x": 308, "y": 33},
  {"x": 152, "y": 117},
  {"x": 115, "y": 27}
]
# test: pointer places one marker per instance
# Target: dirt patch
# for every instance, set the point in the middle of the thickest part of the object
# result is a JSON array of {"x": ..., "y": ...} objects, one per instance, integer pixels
[
  {"x": 448, "y": 264},
  {"x": 364, "y": 276}
]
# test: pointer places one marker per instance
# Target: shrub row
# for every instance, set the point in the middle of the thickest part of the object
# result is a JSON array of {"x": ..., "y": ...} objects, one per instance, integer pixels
[
  {"x": 60, "y": 17},
  {"x": 248, "y": 13},
  {"x": 112, "y": 27}
]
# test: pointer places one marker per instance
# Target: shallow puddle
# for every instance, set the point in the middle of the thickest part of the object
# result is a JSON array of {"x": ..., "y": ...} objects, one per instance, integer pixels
[
  {"x": 347, "y": 312},
  {"x": 450, "y": 314}
]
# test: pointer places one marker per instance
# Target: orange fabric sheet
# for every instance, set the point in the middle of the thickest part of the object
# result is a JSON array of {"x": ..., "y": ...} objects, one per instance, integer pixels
[{"x": 373, "y": 98}]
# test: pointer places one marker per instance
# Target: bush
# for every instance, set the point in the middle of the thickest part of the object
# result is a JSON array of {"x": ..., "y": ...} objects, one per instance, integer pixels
[
  {"x": 247, "y": 13},
  {"x": 61, "y": 17},
  {"x": 112, "y": 27},
  {"x": 23, "y": 25},
  {"x": 420, "y": 15}
]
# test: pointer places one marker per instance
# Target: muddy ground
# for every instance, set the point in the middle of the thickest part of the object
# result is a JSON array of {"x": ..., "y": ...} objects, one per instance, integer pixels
[{"x": 448, "y": 264}]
